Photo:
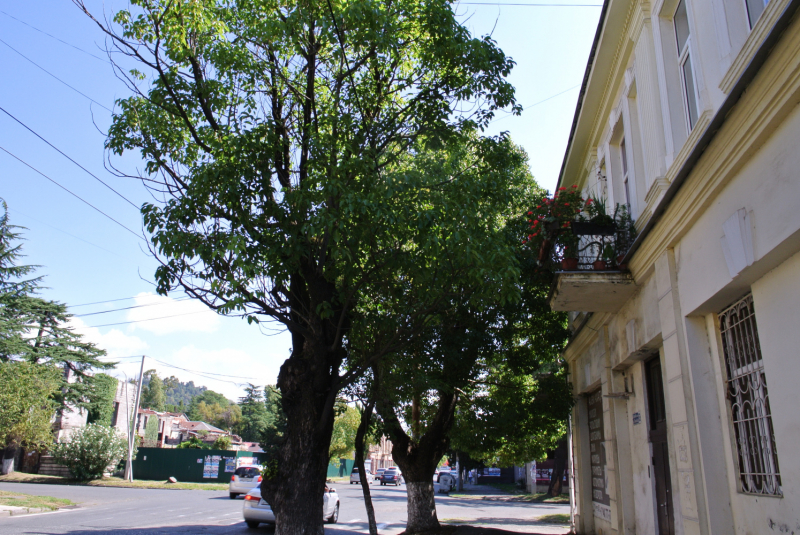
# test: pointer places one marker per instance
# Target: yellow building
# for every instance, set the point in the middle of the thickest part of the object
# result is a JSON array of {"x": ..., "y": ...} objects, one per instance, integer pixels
[{"x": 685, "y": 361}]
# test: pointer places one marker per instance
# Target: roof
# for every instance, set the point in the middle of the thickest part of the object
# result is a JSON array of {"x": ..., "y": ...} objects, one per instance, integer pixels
[{"x": 202, "y": 426}]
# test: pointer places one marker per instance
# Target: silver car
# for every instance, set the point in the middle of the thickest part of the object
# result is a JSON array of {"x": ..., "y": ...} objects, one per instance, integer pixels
[
  {"x": 244, "y": 479},
  {"x": 257, "y": 511}
]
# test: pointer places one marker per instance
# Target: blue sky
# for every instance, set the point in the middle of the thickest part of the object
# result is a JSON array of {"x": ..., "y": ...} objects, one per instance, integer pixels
[{"x": 89, "y": 259}]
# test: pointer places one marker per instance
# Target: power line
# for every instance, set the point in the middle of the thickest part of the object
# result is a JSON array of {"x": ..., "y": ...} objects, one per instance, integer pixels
[
  {"x": 101, "y": 302},
  {"x": 53, "y": 36},
  {"x": 54, "y": 76},
  {"x": 128, "y": 308},
  {"x": 540, "y": 102},
  {"x": 32, "y": 131},
  {"x": 64, "y": 232},
  {"x": 140, "y": 321},
  {"x": 71, "y": 193}
]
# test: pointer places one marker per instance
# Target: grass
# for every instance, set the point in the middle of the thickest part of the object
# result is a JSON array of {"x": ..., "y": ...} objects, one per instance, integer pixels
[
  {"x": 510, "y": 488},
  {"x": 25, "y": 500},
  {"x": 518, "y": 495},
  {"x": 554, "y": 519},
  {"x": 19, "y": 477}
]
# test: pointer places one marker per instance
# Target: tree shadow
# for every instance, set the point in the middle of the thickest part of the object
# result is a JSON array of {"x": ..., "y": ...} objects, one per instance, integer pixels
[{"x": 239, "y": 528}]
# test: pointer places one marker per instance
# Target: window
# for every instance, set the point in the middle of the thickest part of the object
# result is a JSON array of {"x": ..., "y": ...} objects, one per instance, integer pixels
[
  {"x": 754, "y": 10},
  {"x": 749, "y": 400},
  {"x": 682, "y": 38},
  {"x": 624, "y": 157}
]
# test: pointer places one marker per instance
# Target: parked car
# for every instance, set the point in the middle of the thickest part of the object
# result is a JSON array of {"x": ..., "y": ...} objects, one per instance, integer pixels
[
  {"x": 257, "y": 511},
  {"x": 440, "y": 472},
  {"x": 378, "y": 473},
  {"x": 244, "y": 479},
  {"x": 355, "y": 476},
  {"x": 392, "y": 476}
]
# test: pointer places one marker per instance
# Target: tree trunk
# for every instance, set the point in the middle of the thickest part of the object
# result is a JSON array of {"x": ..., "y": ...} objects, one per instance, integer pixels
[
  {"x": 9, "y": 454},
  {"x": 417, "y": 459},
  {"x": 366, "y": 416},
  {"x": 421, "y": 507},
  {"x": 294, "y": 482},
  {"x": 560, "y": 463}
]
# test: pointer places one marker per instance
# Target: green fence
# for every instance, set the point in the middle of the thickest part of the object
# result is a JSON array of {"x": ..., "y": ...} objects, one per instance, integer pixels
[
  {"x": 342, "y": 469},
  {"x": 205, "y": 466},
  {"x": 190, "y": 465}
]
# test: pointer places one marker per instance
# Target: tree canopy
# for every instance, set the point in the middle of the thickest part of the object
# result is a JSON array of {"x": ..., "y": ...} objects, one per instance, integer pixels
[
  {"x": 281, "y": 137},
  {"x": 27, "y": 393},
  {"x": 35, "y": 330}
]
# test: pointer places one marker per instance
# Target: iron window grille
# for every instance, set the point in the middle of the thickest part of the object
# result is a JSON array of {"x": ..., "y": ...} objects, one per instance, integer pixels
[{"x": 749, "y": 400}]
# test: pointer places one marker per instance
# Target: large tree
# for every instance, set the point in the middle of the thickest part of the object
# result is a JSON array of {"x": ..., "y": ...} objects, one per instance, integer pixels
[
  {"x": 27, "y": 393},
  {"x": 255, "y": 417},
  {"x": 153, "y": 396},
  {"x": 486, "y": 374},
  {"x": 36, "y": 330},
  {"x": 273, "y": 131}
]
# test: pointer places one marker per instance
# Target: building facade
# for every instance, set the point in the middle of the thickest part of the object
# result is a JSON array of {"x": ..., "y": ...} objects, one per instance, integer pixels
[{"x": 683, "y": 361}]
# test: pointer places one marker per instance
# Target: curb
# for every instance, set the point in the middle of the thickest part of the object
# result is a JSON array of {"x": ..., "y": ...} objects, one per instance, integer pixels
[{"x": 10, "y": 510}]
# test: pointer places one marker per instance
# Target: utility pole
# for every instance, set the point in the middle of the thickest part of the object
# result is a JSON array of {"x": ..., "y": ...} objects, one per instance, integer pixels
[{"x": 132, "y": 427}]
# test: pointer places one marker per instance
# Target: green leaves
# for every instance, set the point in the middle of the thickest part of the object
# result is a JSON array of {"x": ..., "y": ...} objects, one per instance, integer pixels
[
  {"x": 90, "y": 451},
  {"x": 26, "y": 403}
]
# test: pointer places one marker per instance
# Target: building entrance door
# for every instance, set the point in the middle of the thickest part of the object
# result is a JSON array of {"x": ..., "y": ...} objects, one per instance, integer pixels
[{"x": 658, "y": 440}]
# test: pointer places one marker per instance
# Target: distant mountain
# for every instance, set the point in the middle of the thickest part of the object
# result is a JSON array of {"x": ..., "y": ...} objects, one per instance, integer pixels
[{"x": 179, "y": 394}]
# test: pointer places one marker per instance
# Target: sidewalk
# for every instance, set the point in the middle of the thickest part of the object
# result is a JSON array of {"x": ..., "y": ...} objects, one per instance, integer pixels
[{"x": 11, "y": 510}]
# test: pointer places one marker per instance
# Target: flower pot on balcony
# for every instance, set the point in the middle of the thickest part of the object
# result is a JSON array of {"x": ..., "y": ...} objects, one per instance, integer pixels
[
  {"x": 587, "y": 228},
  {"x": 569, "y": 264},
  {"x": 622, "y": 266},
  {"x": 599, "y": 265}
]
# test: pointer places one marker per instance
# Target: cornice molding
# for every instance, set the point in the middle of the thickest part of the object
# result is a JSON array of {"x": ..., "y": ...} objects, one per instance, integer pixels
[
  {"x": 772, "y": 11},
  {"x": 762, "y": 108}
]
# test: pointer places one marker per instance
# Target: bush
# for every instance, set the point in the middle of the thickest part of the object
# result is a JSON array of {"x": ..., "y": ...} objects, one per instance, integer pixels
[
  {"x": 222, "y": 443},
  {"x": 91, "y": 451}
]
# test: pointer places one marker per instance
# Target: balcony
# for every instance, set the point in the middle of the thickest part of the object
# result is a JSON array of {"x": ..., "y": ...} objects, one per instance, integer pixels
[{"x": 583, "y": 242}]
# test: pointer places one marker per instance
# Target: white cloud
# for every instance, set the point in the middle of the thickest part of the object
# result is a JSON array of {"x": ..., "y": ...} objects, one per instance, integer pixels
[
  {"x": 115, "y": 342},
  {"x": 164, "y": 315}
]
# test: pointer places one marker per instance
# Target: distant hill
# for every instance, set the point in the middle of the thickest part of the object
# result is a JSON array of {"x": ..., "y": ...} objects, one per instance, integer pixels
[{"x": 179, "y": 394}]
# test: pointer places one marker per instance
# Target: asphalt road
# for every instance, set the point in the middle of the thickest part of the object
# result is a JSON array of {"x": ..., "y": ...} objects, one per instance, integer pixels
[{"x": 156, "y": 511}]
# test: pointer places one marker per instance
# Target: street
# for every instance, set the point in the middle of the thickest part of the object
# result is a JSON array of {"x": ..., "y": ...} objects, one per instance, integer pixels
[{"x": 151, "y": 511}]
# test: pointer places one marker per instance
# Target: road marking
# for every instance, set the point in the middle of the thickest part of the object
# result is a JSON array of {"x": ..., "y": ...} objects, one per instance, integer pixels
[
  {"x": 382, "y": 526},
  {"x": 353, "y": 521}
]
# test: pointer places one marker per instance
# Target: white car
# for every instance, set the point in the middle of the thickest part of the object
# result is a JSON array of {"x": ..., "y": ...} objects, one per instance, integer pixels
[
  {"x": 244, "y": 479},
  {"x": 257, "y": 511},
  {"x": 355, "y": 476}
]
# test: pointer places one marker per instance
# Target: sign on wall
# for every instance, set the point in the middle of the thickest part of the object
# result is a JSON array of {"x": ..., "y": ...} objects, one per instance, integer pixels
[{"x": 601, "y": 501}]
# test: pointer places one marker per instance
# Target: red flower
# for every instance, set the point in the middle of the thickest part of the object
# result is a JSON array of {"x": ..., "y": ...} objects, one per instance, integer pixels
[
  {"x": 566, "y": 204},
  {"x": 588, "y": 201},
  {"x": 562, "y": 189},
  {"x": 574, "y": 186},
  {"x": 535, "y": 222},
  {"x": 530, "y": 213}
]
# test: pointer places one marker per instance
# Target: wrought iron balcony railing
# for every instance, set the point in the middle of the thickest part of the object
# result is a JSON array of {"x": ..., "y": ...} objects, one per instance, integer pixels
[{"x": 586, "y": 246}]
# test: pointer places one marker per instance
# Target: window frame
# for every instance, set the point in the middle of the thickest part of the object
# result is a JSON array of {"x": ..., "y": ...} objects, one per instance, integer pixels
[
  {"x": 751, "y": 23},
  {"x": 685, "y": 55},
  {"x": 746, "y": 384},
  {"x": 623, "y": 156}
]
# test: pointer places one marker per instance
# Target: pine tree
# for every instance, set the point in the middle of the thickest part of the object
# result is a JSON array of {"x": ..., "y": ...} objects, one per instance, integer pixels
[
  {"x": 33, "y": 329},
  {"x": 153, "y": 396},
  {"x": 254, "y": 414}
]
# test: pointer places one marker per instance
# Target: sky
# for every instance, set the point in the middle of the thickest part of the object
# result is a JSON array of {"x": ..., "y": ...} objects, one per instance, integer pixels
[{"x": 103, "y": 271}]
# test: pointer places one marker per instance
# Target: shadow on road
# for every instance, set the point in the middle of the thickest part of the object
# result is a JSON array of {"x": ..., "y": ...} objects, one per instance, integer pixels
[{"x": 240, "y": 528}]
